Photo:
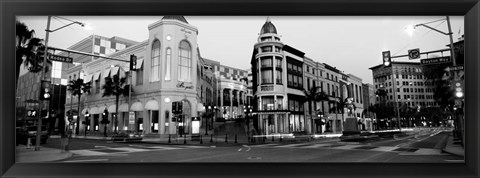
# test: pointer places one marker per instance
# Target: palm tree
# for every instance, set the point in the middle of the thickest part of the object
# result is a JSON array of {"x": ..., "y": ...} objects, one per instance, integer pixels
[
  {"x": 314, "y": 95},
  {"x": 28, "y": 50},
  {"x": 77, "y": 88},
  {"x": 115, "y": 86}
]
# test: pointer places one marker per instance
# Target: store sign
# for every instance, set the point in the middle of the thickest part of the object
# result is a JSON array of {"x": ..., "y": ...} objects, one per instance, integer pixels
[
  {"x": 131, "y": 117},
  {"x": 266, "y": 88},
  {"x": 183, "y": 85}
]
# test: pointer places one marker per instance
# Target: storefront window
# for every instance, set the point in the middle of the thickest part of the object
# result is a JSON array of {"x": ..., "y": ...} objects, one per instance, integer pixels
[{"x": 154, "y": 121}]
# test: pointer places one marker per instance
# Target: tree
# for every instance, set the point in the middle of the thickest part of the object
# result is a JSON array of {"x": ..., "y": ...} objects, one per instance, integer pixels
[
  {"x": 313, "y": 95},
  {"x": 115, "y": 86},
  {"x": 440, "y": 80},
  {"x": 28, "y": 50},
  {"x": 77, "y": 88}
]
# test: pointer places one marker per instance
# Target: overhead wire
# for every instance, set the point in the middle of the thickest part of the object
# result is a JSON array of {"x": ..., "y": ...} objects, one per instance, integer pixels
[{"x": 420, "y": 36}]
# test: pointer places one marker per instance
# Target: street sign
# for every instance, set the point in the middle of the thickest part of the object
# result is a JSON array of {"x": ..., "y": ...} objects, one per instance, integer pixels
[
  {"x": 436, "y": 60},
  {"x": 454, "y": 68},
  {"x": 131, "y": 117},
  {"x": 60, "y": 58},
  {"x": 414, "y": 53}
]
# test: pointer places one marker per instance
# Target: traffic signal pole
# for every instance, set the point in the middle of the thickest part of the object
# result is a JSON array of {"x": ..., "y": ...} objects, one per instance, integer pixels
[{"x": 41, "y": 105}]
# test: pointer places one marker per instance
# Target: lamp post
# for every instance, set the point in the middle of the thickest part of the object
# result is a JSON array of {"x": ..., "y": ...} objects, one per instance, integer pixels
[
  {"x": 45, "y": 56},
  {"x": 395, "y": 99},
  {"x": 206, "y": 119},
  {"x": 87, "y": 124}
]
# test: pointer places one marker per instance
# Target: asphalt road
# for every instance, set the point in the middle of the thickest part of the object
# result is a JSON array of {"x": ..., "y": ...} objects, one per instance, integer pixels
[{"x": 418, "y": 146}]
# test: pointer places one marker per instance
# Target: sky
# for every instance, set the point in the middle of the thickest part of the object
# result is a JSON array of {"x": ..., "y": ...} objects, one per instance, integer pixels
[{"x": 352, "y": 44}]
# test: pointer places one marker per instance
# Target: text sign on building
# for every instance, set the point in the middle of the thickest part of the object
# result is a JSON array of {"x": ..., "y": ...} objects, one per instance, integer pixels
[
  {"x": 455, "y": 68},
  {"x": 437, "y": 60},
  {"x": 131, "y": 117},
  {"x": 414, "y": 53},
  {"x": 60, "y": 58},
  {"x": 266, "y": 88}
]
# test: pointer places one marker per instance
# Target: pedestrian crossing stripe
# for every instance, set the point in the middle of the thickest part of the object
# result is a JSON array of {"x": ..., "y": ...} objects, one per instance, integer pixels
[
  {"x": 401, "y": 150},
  {"x": 125, "y": 150}
]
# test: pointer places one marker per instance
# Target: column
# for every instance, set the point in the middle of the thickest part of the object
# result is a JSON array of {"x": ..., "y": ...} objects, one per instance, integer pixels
[
  {"x": 221, "y": 102},
  {"x": 161, "y": 121},
  {"x": 231, "y": 103}
]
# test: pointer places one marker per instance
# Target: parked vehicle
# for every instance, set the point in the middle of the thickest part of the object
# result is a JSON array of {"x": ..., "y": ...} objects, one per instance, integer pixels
[
  {"x": 127, "y": 136},
  {"x": 23, "y": 133}
]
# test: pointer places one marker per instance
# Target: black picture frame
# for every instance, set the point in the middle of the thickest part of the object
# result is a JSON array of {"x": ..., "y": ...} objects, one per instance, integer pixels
[{"x": 10, "y": 8}]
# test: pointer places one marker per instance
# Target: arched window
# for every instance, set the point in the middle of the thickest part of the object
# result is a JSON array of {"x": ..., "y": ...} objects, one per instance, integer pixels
[
  {"x": 184, "y": 62},
  {"x": 155, "y": 62},
  {"x": 168, "y": 63}
]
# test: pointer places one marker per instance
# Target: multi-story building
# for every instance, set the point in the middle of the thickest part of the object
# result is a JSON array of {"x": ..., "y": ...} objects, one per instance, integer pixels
[
  {"x": 169, "y": 69},
  {"x": 369, "y": 99},
  {"x": 412, "y": 88},
  {"x": 280, "y": 98}
]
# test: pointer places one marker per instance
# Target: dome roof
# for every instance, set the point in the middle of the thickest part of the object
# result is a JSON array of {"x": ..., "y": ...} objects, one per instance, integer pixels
[
  {"x": 268, "y": 27},
  {"x": 175, "y": 17}
]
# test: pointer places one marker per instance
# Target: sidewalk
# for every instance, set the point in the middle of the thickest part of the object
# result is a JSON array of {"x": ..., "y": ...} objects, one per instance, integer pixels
[
  {"x": 453, "y": 148},
  {"x": 29, "y": 155}
]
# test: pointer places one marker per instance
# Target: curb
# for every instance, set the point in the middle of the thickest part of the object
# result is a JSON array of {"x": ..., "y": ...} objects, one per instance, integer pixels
[{"x": 445, "y": 151}]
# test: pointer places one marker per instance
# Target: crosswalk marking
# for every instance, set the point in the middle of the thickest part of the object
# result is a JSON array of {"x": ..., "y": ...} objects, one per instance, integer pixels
[
  {"x": 400, "y": 150},
  {"x": 112, "y": 151}
]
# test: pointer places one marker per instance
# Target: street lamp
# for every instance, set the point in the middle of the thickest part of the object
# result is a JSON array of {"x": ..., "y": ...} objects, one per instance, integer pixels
[
  {"x": 395, "y": 99},
  {"x": 48, "y": 30},
  {"x": 87, "y": 124}
]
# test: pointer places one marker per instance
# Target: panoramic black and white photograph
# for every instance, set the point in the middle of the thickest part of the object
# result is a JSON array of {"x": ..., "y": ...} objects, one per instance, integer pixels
[{"x": 240, "y": 89}]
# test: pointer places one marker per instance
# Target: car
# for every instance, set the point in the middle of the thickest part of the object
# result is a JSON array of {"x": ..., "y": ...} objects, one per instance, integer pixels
[
  {"x": 23, "y": 133},
  {"x": 127, "y": 136}
]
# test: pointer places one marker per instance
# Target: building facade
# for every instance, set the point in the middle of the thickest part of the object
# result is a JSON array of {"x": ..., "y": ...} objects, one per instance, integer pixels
[
  {"x": 281, "y": 77},
  {"x": 169, "y": 69}
]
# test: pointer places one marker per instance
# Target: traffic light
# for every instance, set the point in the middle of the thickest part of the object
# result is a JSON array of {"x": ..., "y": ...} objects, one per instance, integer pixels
[
  {"x": 174, "y": 107},
  {"x": 31, "y": 113},
  {"x": 105, "y": 114},
  {"x": 387, "y": 60},
  {"x": 458, "y": 89},
  {"x": 45, "y": 91},
  {"x": 133, "y": 62},
  {"x": 180, "y": 107}
]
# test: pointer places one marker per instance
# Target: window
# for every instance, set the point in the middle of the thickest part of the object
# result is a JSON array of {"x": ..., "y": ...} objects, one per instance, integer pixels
[
  {"x": 168, "y": 63},
  {"x": 279, "y": 77},
  {"x": 278, "y": 62},
  {"x": 268, "y": 103},
  {"x": 185, "y": 62},
  {"x": 267, "y": 62},
  {"x": 267, "y": 77},
  {"x": 139, "y": 74},
  {"x": 155, "y": 62},
  {"x": 266, "y": 49}
]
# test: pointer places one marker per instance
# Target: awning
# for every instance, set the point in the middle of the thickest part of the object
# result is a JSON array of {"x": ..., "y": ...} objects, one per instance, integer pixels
[
  {"x": 200, "y": 107},
  {"x": 137, "y": 106},
  {"x": 139, "y": 63},
  {"x": 152, "y": 105},
  {"x": 97, "y": 76},
  {"x": 101, "y": 109},
  {"x": 93, "y": 110},
  {"x": 111, "y": 109},
  {"x": 106, "y": 72},
  {"x": 84, "y": 111},
  {"x": 88, "y": 78},
  {"x": 123, "y": 107},
  {"x": 115, "y": 70}
]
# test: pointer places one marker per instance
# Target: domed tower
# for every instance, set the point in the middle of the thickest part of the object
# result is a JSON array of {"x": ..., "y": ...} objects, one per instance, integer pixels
[{"x": 269, "y": 80}]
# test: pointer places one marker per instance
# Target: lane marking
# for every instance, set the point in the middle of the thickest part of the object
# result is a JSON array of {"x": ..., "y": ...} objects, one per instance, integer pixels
[{"x": 85, "y": 160}]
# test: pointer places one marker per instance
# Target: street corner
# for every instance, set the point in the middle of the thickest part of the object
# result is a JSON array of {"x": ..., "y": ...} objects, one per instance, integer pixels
[{"x": 29, "y": 155}]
